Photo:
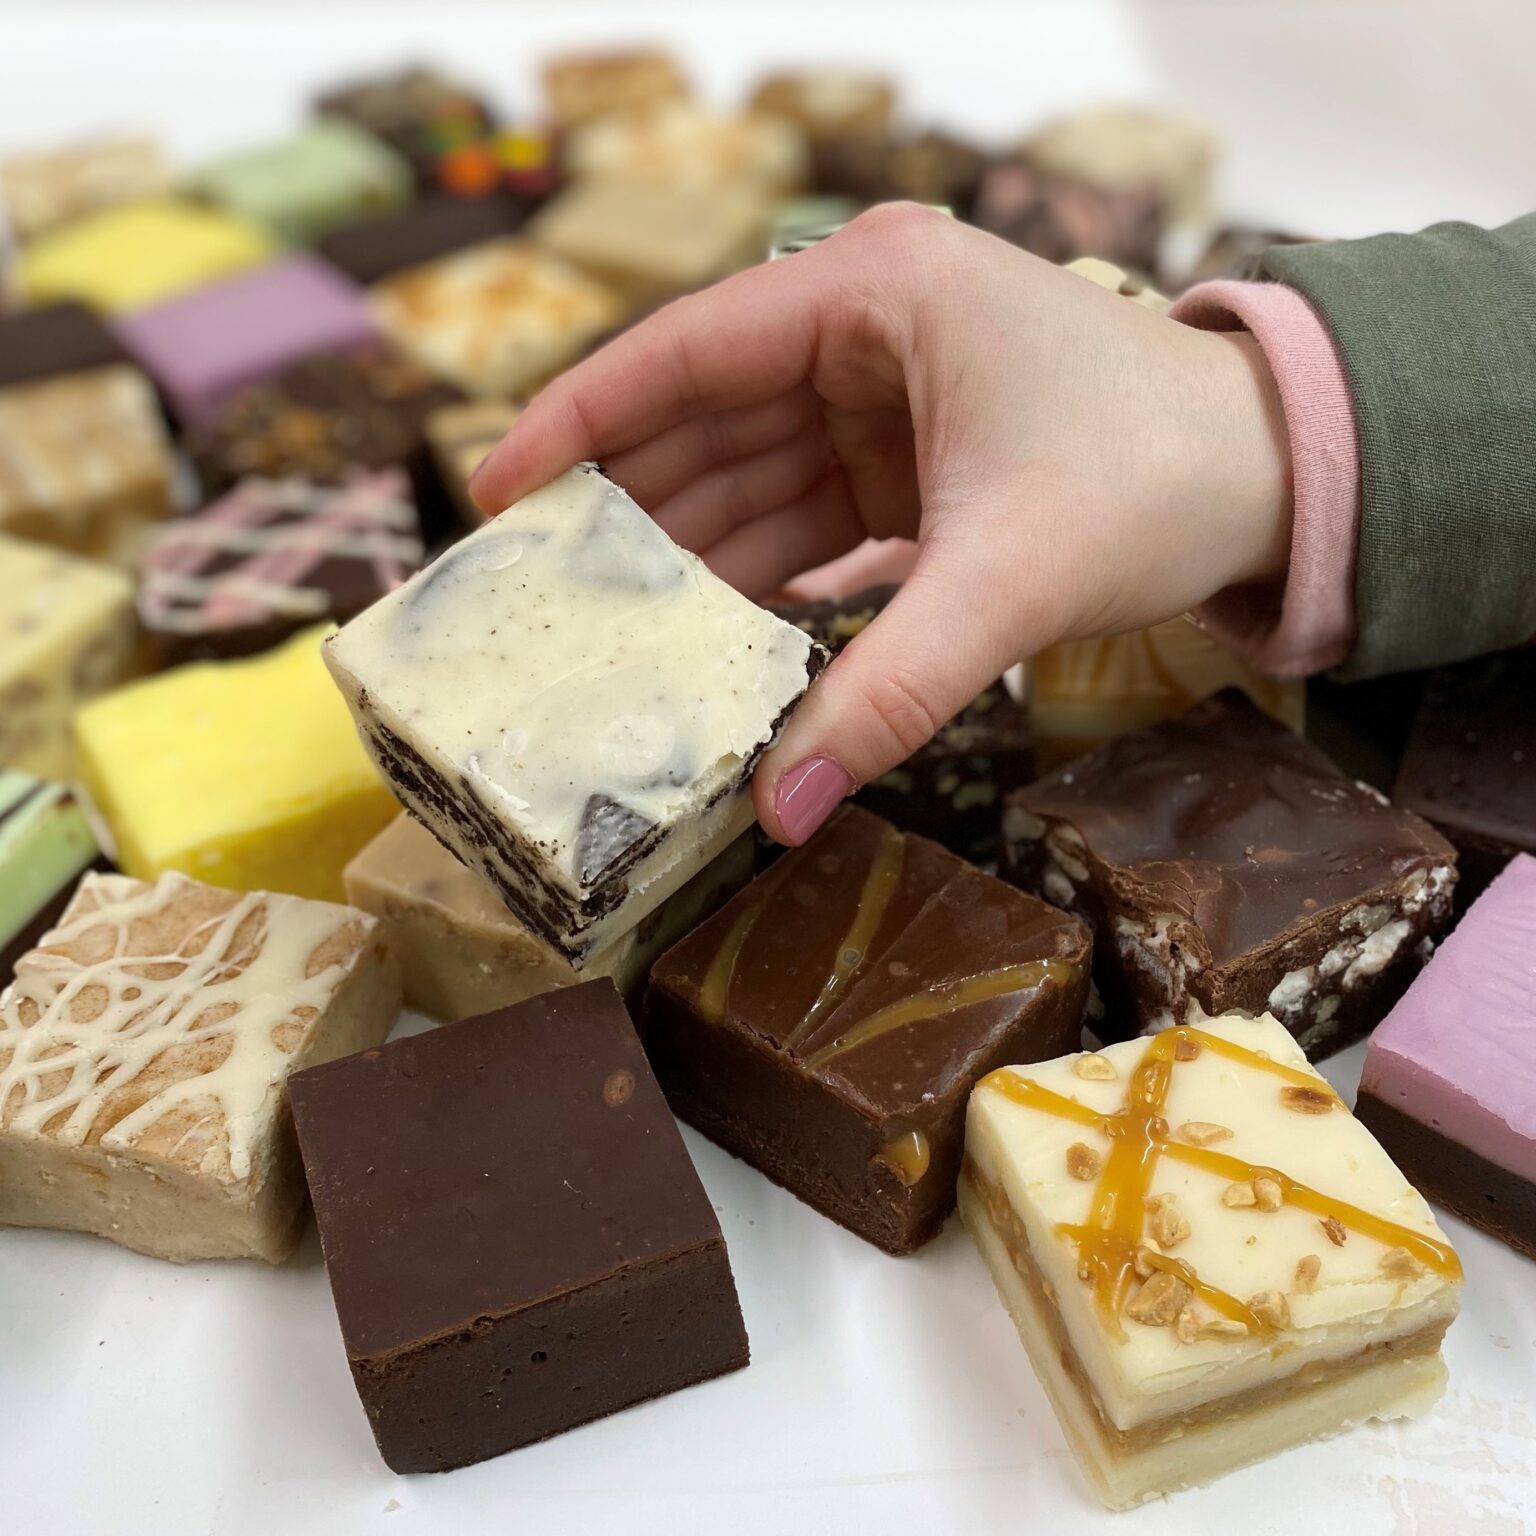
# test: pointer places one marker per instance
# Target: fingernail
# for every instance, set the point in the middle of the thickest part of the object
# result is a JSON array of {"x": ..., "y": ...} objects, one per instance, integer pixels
[{"x": 807, "y": 794}]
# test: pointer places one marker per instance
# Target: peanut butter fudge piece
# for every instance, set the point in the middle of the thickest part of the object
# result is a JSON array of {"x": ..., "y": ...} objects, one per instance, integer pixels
[
  {"x": 515, "y": 1238},
  {"x": 1207, "y": 1257},
  {"x": 828, "y": 1024},
  {"x": 1226, "y": 865},
  {"x": 461, "y": 952},
  {"x": 573, "y": 705},
  {"x": 145, "y": 1048},
  {"x": 579, "y": 87}
]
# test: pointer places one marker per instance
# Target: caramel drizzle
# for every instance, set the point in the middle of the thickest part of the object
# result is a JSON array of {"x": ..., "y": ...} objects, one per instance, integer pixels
[
  {"x": 715, "y": 989},
  {"x": 907, "y": 1156},
  {"x": 1108, "y": 1241}
]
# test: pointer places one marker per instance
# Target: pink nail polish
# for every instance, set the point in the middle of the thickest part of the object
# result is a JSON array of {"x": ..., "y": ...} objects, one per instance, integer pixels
[{"x": 807, "y": 794}]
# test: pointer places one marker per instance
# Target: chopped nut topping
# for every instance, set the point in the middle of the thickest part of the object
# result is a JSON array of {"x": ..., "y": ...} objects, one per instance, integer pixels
[
  {"x": 1155, "y": 1203},
  {"x": 1399, "y": 1263},
  {"x": 1239, "y": 1194},
  {"x": 1186, "y": 1326},
  {"x": 1083, "y": 1162},
  {"x": 1185, "y": 1049},
  {"x": 1085, "y": 1272},
  {"x": 1096, "y": 1068},
  {"x": 1141, "y": 1260},
  {"x": 1201, "y": 1133},
  {"x": 1159, "y": 1300},
  {"x": 1271, "y": 1308},
  {"x": 1308, "y": 1101},
  {"x": 1335, "y": 1230},
  {"x": 1168, "y": 1227},
  {"x": 1222, "y": 1328},
  {"x": 1267, "y": 1194},
  {"x": 1308, "y": 1268}
]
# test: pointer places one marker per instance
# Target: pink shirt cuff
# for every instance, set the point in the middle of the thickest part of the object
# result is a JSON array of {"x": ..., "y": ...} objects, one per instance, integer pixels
[{"x": 1306, "y": 623}]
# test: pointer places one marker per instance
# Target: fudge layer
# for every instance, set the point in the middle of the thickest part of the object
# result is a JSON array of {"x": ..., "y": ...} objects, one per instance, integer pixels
[
  {"x": 54, "y": 339},
  {"x": 1226, "y": 865},
  {"x": 246, "y": 774},
  {"x": 378, "y": 248},
  {"x": 573, "y": 705},
  {"x": 515, "y": 1238},
  {"x": 828, "y": 1024},
  {"x": 461, "y": 952},
  {"x": 67, "y": 634},
  {"x": 1449, "y": 1083},
  {"x": 44, "y": 189},
  {"x": 1207, "y": 1257},
  {"x": 145, "y": 1047},
  {"x": 579, "y": 87}
]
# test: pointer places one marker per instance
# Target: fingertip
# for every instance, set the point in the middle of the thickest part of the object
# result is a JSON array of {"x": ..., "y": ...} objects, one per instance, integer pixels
[{"x": 792, "y": 803}]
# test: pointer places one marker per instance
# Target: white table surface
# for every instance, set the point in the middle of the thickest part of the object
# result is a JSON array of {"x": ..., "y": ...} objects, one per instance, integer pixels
[{"x": 884, "y": 1395}]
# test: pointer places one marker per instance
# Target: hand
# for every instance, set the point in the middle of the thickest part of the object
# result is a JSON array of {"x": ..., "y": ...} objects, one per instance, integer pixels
[{"x": 1068, "y": 463}]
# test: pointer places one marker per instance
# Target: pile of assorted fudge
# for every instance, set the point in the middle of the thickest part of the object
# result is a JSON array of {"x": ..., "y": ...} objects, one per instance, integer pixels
[{"x": 254, "y": 613}]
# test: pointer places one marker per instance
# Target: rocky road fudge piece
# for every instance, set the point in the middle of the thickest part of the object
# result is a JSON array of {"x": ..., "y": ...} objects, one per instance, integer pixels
[
  {"x": 52, "y": 340},
  {"x": 579, "y": 87},
  {"x": 829, "y": 105},
  {"x": 246, "y": 774},
  {"x": 496, "y": 319},
  {"x": 573, "y": 705},
  {"x": 1449, "y": 1083},
  {"x": 67, "y": 633},
  {"x": 85, "y": 463},
  {"x": 43, "y": 189},
  {"x": 417, "y": 112},
  {"x": 1470, "y": 764},
  {"x": 515, "y": 1238},
  {"x": 461, "y": 952},
  {"x": 828, "y": 1024},
  {"x": 436, "y": 226},
  {"x": 460, "y": 437},
  {"x": 1225, "y": 865},
  {"x": 1059, "y": 217},
  {"x": 1208, "y": 1259},
  {"x": 272, "y": 557},
  {"x": 145, "y": 1048}
]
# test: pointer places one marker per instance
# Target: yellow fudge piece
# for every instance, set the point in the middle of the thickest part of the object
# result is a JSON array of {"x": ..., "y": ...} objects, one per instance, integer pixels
[
  {"x": 139, "y": 253},
  {"x": 244, "y": 774}
]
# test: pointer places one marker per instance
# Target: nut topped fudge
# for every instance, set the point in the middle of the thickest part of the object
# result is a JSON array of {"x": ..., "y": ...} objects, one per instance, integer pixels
[
  {"x": 1207, "y": 1257},
  {"x": 1226, "y": 865},
  {"x": 574, "y": 705}
]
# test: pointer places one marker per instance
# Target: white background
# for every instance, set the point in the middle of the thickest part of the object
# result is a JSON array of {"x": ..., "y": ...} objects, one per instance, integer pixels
[{"x": 885, "y": 1396}]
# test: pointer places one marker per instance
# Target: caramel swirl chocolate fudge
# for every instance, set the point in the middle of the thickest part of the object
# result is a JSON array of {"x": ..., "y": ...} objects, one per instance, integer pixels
[
  {"x": 145, "y": 1048},
  {"x": 1207, "y": 1257},
  {"x": 828, "y": 1024},
  {"x": 574, "y": 705},
  {"x": 1449, "y": 1083},
  {"x": 552, "y": 1260},
  {"x": 1225, "y": 865}
]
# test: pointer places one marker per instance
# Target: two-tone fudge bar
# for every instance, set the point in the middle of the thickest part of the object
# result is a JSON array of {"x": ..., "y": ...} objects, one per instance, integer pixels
[
  {"x": 272, "y": 557},
  {"x": 573, "y": 705},
  {"x": 42, "y": 189},
  {"x": 1225, "y": 865},
  {"x": 1207, "y": 1257},
  {"x": 145, "y": 1048},
  {"x": 579, "y": 87},
  {"x": 515, "y": 1238},
  {"x": 461, "y": 952},
  {"x": 827, "y": 1025},
  {"x": 246, "y": 774},
  {"x": 1449, "y": 1083}
]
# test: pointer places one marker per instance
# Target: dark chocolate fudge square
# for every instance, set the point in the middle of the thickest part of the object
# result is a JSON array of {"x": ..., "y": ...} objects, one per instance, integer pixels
[
  {"x": 1225, "y": 865},
  {"x": 55, "y": 339},
  {"x": 828, "y": 1024},
  {"x": 378, "y": 248},
  {"x": 952, "y": 788},
  {"x": 516, "y": 1240},
  {"x": 1470, "y": 765}
]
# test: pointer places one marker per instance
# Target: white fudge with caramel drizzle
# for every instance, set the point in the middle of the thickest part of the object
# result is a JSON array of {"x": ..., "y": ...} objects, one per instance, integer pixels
[
  {"x": 1208, "y": 1258},
  {"x": 145, "y": 1048}
]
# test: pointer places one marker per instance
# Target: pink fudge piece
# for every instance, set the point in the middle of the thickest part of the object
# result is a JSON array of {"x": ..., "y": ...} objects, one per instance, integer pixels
[
  {"x": 204, "y": 346},
  {"x": 1458, "y": 1053}
]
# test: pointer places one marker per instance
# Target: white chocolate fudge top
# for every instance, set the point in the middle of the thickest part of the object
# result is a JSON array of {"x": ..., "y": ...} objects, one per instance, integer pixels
[
  {"x": 1265, "y": 1229},
  {"x": 163, "y": 1019}
]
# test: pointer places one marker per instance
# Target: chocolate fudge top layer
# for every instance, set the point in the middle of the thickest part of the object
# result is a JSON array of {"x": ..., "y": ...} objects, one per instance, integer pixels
[
  {"x": 53, "y": 339},
  {"x": 1228, "y": 819}
]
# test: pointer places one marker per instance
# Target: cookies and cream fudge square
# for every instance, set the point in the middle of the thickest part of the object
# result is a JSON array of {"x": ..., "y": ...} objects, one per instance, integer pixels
[
  {"x": 145, "y": 1047},
  {"x": 574, "y": 705},
  {"x": 1207, "y": 1257}
]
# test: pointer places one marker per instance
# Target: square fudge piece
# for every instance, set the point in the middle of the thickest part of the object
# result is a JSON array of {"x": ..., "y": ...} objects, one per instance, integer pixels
[
  {"x": 828, "y": 1024},
  {"x": 417, "y": 112},
  {"x": 579, "y": 87},
  {"x": 573, "y": 705},
  {"x": 246, "y": 774},
  {"x": 829, "y": 104},
  {"x": 202, "y": 347},
  {"x": 141, "y": 253},
  {"x": 952, "y": 788},
  {"x": 272, "y": 557},
  {"x": 181, "y": 1010},
  {"x": 437, "y": 226},
  {"x": 497, "y": 319},
  {"x": 326, "y": 175},
  {"x": 1470, "y": 764},
  {"x": 1207, "y": 1257},
  {"x": 42, "y": 190},
  {"x": 85, "y": 463},
  {"x": 67, "y": 633},
  {"x": 1225, "y": 865},
  {"x": 1449, "y": 1083},
  {"x": 931, "y": 168},
  {"x": 515, "y": 1238},
  {"x": 55, "y": 339},
  {"x": 460, "y": 437}
]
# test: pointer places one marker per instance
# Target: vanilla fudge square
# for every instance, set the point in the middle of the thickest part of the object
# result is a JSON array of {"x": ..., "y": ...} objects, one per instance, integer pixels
[
  {"x": 574, "y": 705},
  {"x": 145, "y": 1048},
  {"x": 1207, "y": 1257}
]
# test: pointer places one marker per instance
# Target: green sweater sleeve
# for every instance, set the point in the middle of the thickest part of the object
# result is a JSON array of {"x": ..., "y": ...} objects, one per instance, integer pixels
[{"x": 1438, "y": 336}]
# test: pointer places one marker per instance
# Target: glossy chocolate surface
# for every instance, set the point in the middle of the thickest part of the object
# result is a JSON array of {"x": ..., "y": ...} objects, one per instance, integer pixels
[{"x": 56, "y": 338}]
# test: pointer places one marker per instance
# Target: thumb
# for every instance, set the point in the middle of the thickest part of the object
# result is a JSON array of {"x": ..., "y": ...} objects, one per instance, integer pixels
[{"x": 935, "y": 646}]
